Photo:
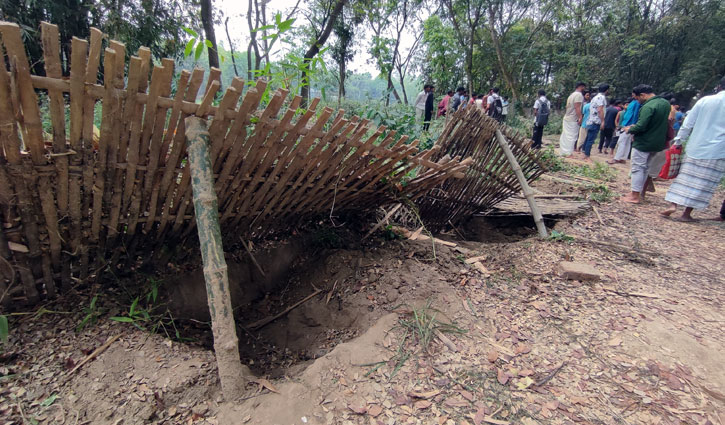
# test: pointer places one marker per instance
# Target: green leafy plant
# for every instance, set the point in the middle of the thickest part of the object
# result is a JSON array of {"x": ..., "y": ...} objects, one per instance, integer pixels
[
  {"x": 600, "y": 193},
  {"x": 147, "y": 314},
  {"x": 196, "y": 44},
  {"x": 558, "y": 236},
  {"x": 92, "y": 313}
]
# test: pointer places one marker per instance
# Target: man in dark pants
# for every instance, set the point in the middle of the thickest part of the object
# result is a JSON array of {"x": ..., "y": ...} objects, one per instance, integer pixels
[
  {"x": 428, "y": 108},
  {"x": 605, "y": 137},
  {"x": 542, "y": 108}
]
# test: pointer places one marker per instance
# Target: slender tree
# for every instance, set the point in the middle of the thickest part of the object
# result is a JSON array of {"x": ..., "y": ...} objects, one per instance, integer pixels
[{"x": 207, "y": 21}]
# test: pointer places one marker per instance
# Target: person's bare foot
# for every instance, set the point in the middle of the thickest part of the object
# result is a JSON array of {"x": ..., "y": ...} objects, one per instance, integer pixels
[
  {"x": 668, "y": 212},
  {"x": 630, "y": 199},
  {"x": 587, "y": 159},
  {"x": 685, "y": 219}
]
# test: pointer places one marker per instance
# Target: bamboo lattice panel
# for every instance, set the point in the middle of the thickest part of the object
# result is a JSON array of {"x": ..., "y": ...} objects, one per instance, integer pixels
[
  {"x": 490, "y": 178},
  {"x": 71, "y": 207}
]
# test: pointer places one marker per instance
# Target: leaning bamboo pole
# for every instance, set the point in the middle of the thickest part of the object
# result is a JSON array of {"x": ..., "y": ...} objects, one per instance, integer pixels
[
  {"x": 206, "y": 207},
  {"x": 528, "y": 193}
]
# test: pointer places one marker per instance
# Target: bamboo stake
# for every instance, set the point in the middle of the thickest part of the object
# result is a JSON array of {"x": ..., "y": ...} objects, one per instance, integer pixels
[
  {"x": 226, "y": 346},
  {"x": 528, "y": 193}
]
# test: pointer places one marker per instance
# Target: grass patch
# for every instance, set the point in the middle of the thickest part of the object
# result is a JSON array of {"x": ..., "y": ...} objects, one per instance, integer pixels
[{"x": 420, "y": 327}]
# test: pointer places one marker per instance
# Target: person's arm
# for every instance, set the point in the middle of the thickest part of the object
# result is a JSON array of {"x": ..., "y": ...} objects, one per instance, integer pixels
[
  {"x": 578, "y": 110},
  {"x": 645, "y": 115},
  {"x": 418, "y": 99},
  {"x": 616, "y": 119},
  {"x": 687, "y": 125},
  {"x": 601, "y": 116}
]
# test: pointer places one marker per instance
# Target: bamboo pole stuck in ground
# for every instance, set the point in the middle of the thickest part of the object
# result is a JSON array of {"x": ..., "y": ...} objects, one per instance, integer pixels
[
  {"x": 232, "y": 373},
  {"x": 528, "y": 193}
]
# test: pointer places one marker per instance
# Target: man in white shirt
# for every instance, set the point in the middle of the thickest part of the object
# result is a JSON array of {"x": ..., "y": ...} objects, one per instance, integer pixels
[
  {"x": 704, "y": 164},
  {"x": 572, "y": 120},
  {"x": 494, "y": 105},
  {"x": 595, "y": 122},
  {"x": 542, "y": 109},
  {"x": 505, "y": 108},
  {"x": 420, "y": 103}
]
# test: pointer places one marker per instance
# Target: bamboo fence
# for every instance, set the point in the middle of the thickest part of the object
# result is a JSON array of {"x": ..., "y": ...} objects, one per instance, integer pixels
[
  {"x": 72, "y": 204},
  {"x": 77, "y": 199},
  {"x": 490, "y": 178}
]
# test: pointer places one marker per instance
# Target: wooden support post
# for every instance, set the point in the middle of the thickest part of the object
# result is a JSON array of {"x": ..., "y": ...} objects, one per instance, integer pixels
[
  {"x": 226, "y": 347},
  {"x": 528, "y": 193}
]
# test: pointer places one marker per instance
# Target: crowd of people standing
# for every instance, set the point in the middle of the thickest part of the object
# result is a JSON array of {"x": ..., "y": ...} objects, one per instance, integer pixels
[
  {"x": 642, "y": 128},
  {"x": 492, "y": 103}
]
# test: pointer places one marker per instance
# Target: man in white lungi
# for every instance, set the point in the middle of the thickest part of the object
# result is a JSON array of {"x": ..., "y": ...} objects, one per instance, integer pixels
[
  {"x": 572, "y": 120},
  {"x": 704, "y": 164}
]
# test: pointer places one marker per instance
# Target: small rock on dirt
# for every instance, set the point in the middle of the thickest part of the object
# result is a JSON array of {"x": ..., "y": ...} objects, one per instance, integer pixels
[{"x": 579, "y": 271}]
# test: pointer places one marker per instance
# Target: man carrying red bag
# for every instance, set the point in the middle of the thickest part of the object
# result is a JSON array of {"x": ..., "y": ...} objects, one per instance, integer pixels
[{"x": 704, "y": 164}]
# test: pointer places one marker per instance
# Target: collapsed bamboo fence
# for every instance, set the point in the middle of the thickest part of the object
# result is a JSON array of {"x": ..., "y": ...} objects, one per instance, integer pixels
[
  {"x": 78, "y": 199},
  {"x": 72, "y": 204},
  {"x": 490, "y": 178}
]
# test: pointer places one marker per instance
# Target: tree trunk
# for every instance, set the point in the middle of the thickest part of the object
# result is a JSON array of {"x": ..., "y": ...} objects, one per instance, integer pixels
[
  {"x": 341, "y": 89},
  {"x": 391, "y": 89},
  {"x": 232, "y": 373},
  {"x": 231, "y": 47},
  {"x": 208, "y": 24},
  {"x": 402, "y": 86},
  {"x": 499, "y": 56},
  {"x": 315, "y": 49},
  {"x": 252, "y": 47}
]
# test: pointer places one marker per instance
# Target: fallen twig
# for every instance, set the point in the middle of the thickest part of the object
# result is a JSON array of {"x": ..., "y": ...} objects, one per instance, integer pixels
[
  {"x": 629, "y": 294},
  {"x": 548, "y": 377},
  {"x": 553, "y": 196},
  {"x": 329, "y": 294},
  {"x": 599, "y": 217},
  {"x": 254, "y": 260},
  {"x": 447, "y": 341},
  {"x": 95, "y": 353},
  {"x": 264, "y": 322}
]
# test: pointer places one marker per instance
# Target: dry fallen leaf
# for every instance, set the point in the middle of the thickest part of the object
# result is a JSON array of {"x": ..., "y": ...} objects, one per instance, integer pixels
[
  {"x": 456, "y": 402},
  {"x": 524, "y": 383},
  {"x": 375, "y": 410},
  {"x": 424, "y": 394},
  {"x": 614, "y": 342},
  {"x": 360, "y": 410},
  {"x": 422, "y": 404},
  {"x": 492, "y": 356},
  {"x": 523, "y": 349},
  {"x": 266, "y": 384},
  {"x": 502, "y": 377},
  {"x": 467, "y": 395}
]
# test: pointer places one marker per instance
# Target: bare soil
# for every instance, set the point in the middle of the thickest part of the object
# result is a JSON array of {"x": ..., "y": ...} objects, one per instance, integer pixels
[{"x": 643, "y": 345}]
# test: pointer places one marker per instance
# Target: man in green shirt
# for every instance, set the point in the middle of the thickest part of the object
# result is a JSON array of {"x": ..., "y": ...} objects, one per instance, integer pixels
[{"x": 650, "y": 134}]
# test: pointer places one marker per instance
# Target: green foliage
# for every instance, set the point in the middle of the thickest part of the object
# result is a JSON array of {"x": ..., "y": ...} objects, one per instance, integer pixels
[
  {"x": 147, "y": 314},
  {"x": 600, "y": 193},
  {"x": 558, "y": 236},
  {"x": 596, "y": 171},
  {"x": 396, "y": 117},
  {"x": 92, "y": 313},
  {"x": 551, "y": 160}
]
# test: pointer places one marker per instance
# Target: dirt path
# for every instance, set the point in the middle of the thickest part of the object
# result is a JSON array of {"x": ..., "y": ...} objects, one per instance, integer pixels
[{"x": 643, "y": 345}]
